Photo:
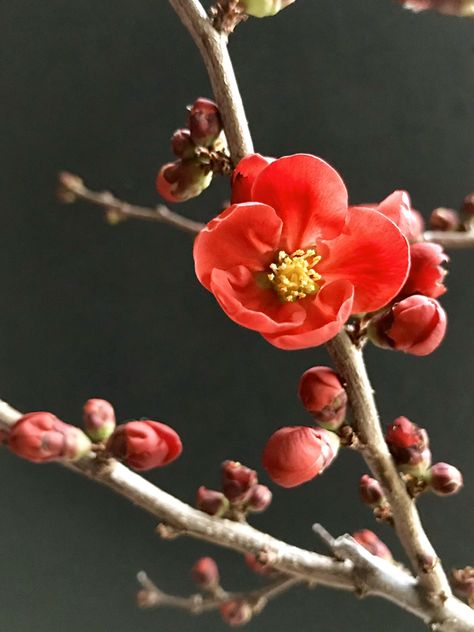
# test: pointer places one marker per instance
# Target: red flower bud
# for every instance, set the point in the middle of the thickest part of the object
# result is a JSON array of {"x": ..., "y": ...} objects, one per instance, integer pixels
[
  {"x": 296, "y": 454},
  {"x": 205, "y": 573},
  {"x": 237, "y": 480},
  {"x": 182, "y": 180},
  {"x": 235, "y": 613},
  {"x": 323, "y": 395},
  {"x": 244, "y": 176},
  {"x": 259, "y": 499},
  {"x": 257, "y": 567},
  {"x": 463, "y": 583},
  {"x": 373, "y": 544},
  {"x": 445, "y": 479},
  {"x": 211, "y": 502},
  {"x": 426, "y": 275},
  {"x": 41, "y": 437},
  {"x": 264, "y": 8},
  {"x": 370, "y": 491},
  {"x": 144, "y": 445},
  {"x": 99, "y": 419},
  {"x": 182, "y": 144},
  {"x": 468, "y": 204},
  {"x": 205, "y": 123},
  {"x": 444, "y": 219},
  {"x": 416, "y": 325},
  {"x": 409, "y": 446}
]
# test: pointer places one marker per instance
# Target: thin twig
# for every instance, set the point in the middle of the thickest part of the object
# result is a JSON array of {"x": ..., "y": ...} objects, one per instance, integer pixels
[
  {"x": 72, "y": 188},
  {"x": 450, "y": 239}
]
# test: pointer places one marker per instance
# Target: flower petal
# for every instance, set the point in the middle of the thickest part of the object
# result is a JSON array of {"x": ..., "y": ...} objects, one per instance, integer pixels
[
  {"x": 325, "y": 317},
  {"x": 307, "y": 194},
  {"x": 252, "y": 306},
  {"x": 244, "y": 176},
  {"x": 244, "y": 234},
  {"x": 372, "y": 254}
]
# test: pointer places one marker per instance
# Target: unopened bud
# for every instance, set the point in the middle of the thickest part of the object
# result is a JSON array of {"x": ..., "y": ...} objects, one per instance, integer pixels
[
  {"x": 237, "y": 480},
  {"x": 236, "y": 613},
  {"x": 99, "y": 419},
  {"x": 463, "y": 583},
  {"x": 426, "y": 274},
  {"x": 205, "y": 123},
  {"x": 444, "y": 219},
  {"x": 409, "y": 447},
  {"x": 182, "y": 144},
  {"x": 373, "y": 544},
  {"x": 264, "y": 8},
  {"x": 323, "y": 395},
  {"x": 259, "y": 499},
  {"x": 445, "y": 479},
  {"x": 370, "y": 491},
  {"x": 205, "y": 573},
  {"x": 182, "y": 180},
  {"x": 42, "y": 437},
  {"x": 212, "y": 502},
  {"x": 144, "y": 444}
]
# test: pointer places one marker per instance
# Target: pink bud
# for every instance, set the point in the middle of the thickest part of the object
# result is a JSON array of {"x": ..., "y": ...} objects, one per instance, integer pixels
[
  {"x": 323, "y": 395},
  {"x": 99, "y": 419},
  {"x": 211, "y": 502},
  {"x": 416, "y": 325},
  {"x": 182, "y": 144},
  {"x": 42, "y": 437},
  {"x": 426, "y": 275},
  {"x": 182, "y": 180},
  {"x": 444, "y": 219},
  {"x": 205, "y": 123},
  {"x": 468, "y": 204},
  {"x": 463, "y": 583},
  {"x": 237, "y": 480},
  {"x": 144, "y": 445},
  {"x": 373, "y": 544},
  {"x": 236, "y": 613},
  {"x": 294, "y": 455},
  {"x": 259, "y": 499},
  {"x": 409, "y": 446},
  {"x": 258, "y": 567},
  {"x": 205, "y": 573},
  {"x": 244, "y": 176},
  {"x": 445, "y": 479},
  {"x": 370, "y": 491}
]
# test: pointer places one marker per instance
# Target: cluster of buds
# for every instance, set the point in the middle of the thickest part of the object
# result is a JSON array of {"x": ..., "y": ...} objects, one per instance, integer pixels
[
  {"x": 296, "y": 454},
  {"x": 462, "y": 8},
  {"x": 190, "y": 174},
  {"x": 240, "y": 493},
  {"x": 409, "y": 447},
  {"x": 445, "y": 219},
  {"x": 373, "y": 544}
]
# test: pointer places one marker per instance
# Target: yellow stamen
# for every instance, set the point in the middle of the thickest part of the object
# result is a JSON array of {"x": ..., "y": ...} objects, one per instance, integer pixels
[{"x": 292, "y": 276}]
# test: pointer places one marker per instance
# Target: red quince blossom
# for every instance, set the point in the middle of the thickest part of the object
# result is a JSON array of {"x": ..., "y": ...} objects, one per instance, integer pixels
[
  {"x": 426, "y": 275},
  {"x": 244, "y": 176},
  {"x": 295, "y": 262}
]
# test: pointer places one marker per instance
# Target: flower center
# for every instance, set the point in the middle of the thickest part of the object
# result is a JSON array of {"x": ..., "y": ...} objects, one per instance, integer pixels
[{"x": 292, "y": 276}]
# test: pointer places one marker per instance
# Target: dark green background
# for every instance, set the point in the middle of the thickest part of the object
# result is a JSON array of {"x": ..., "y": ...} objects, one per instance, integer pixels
[{"x": 97, "y": 87}]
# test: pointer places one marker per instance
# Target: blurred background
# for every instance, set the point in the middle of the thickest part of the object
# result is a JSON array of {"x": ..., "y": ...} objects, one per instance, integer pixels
[{"x": 90, "y": 310}]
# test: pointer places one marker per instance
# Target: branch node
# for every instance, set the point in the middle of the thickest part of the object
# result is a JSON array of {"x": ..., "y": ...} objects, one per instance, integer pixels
[{"x": 167, "y": 531}]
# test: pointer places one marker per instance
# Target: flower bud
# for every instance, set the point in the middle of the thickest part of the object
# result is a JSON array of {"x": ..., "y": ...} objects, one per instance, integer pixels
[
  {"x": 244, "y": 176},
  {"x": 444, "y": 219},
  {"x": 236, "y": 613},
  {"x": 259, "y": 499},
  {"x": 468, "y": 204},
  {"x": 182, "y": 144},
  {"x": 99, "y": 419},
  {"x": 409, "y": 446},
  {"x": 182, "y": 180},
  {"x": 426, "y": 275},
  {"x": 445, "y": 479},
  {"x": 416, "y": 325},
  {"x": 323, "y": 395},
  {"x": 237, "y": 480},
  {"x": 294, "y": 455},
  {"x": 205, "y": 573},
  {"x": 41, "y": 437},
  {"x": 463, "y": 583},
  {"x": 145, "y": 444},
  {"x": 370, "y": 491},
  {"x": 205, "y": 123},
  {"x": 258, "y": 567},
  {"x": 212, "y": 502},
  {"x": 373, "y": 544},
  {"x": 264, "y": 8}
]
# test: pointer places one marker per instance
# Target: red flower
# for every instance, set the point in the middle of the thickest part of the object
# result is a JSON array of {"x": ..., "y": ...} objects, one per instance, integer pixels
[
  {"x": 245, "y": 175},
  {"x": 426, "y": 275},
  {"x": 397, "y": 207},
  {"x": 294, "y": 263},
  {"x": 295, "y": 455}
]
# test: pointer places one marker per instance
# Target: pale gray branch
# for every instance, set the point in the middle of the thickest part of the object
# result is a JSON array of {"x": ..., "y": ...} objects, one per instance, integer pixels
[{"x": 450, "y": 239}]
